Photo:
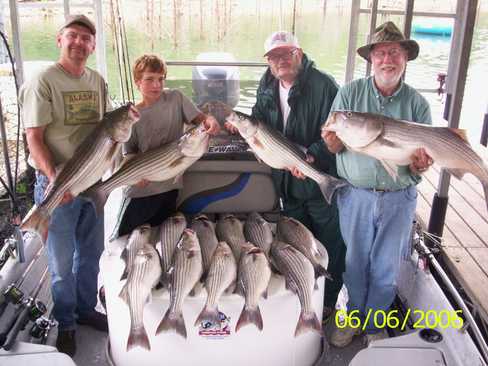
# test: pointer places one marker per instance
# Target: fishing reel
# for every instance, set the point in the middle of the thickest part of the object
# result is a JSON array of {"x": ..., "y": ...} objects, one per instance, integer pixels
[
  {"x": 41, "y": 327},
  {"x": 36, "y": 309},
  {"x": 13, "y": 294}
]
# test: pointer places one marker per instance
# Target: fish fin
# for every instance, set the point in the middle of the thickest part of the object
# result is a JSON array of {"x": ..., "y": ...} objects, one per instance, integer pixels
[
  {"x": 197, "y": 289},
  {"x": 321, "y": 271},
  {"x": 178, "y": 176},
  {"x": 386, "y": 142},
  {"x": 328, "y": 185},
  {"x": 124, "y": 256},
  {"x": 290, "y": 285},
  {"x": 97, "y": 197},
  {"x": 250, "y": 316},
  {"x": 461, "y": 133},
  {"x": 265, "y": 294},
  {"x": 257, "y": 143},
  {"x": 172, "y": 321},
  {"x": 458, "y": 173},
  {"x": 231, "y": 288},
  {"x": 37, "y": 221},
  {"x": 390, "y": 169},
  {"x": 124, "y": 294},
  {"x": 308, "y": 322},
  {"x": 208, "y": 314},
  {"x": 138, "y": 337},
  {"x": 176, "y": 162}
]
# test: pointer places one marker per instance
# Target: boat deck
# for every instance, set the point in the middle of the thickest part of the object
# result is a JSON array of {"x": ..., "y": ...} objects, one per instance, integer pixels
[{"x": 465, "y": 236}]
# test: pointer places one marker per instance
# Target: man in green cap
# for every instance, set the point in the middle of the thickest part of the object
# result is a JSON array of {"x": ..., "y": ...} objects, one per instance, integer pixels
[{"x": 376, "y": 211}]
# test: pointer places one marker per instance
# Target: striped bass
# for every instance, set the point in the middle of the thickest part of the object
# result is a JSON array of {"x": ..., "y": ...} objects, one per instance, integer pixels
[
  {"x": 299, "y": 277},
  {"x": 253, "y": 278},
  {"x": 221, "y": 276},
  {"x": 393, "y": 142},
  {"x": 90, "y": 161},
  {"x": 293, "y": 232},
  {"x": 207, "y": 238},
  {"x": 143, "y": 275},
  {"x": 170, "y": 232},
  {"x": 230, "y": 229},
  {"x": 258, "y": 231},
  {"x": 156, "y": 165},
  {"x": 278, "y": 152},
  {"x": 185, "y": 274},
  {"x": 137, "y": 239}
]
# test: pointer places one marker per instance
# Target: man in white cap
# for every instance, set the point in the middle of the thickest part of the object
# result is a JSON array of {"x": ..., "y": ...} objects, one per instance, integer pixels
[
  {"x": 60, "y": 107},
  {"x": 294, "y": 97},
  {"x": 376, "y": 211}
]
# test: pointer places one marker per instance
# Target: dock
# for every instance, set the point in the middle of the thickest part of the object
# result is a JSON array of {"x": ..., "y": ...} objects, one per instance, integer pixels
[{"x": 464, "y": 245}]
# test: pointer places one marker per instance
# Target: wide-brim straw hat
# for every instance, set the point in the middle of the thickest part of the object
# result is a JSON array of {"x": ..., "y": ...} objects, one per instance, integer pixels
[{"x": 389, "y": 33}]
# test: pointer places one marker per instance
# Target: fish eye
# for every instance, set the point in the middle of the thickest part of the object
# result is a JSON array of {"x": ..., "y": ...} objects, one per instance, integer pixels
[{"x": 349, "y": 114}]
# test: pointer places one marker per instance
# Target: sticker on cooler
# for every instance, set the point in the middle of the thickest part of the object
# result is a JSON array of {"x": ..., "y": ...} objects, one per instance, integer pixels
[{"x": 209, "y": 329}]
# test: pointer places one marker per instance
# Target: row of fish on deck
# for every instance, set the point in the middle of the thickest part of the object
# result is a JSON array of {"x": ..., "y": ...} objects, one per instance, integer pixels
[
  {"x": 391, "y": 142},
  {"x": 226, "y": 257}
]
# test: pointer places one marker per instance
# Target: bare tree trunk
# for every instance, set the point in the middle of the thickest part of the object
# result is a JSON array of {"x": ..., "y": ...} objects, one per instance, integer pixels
[
  {"x": 175, "y": 24},
  {"x": 201, "y": 20},
  {"x": 293, "y": 23}
]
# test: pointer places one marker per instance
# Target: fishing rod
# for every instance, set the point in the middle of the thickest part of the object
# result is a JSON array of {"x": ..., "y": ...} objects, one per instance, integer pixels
[
  {"x": 425, "y": 252},
  {"x": 13, "y": 294},
  {"x": 31, "y": 309},
  {"x": 39, "y": 331}
]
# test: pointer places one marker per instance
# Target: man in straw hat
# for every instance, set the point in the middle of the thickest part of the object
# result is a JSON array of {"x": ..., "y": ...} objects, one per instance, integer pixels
[
  {"x": 294, "y": 97},
  {"x": 376, "y": 211},
  {"x": 60, "y": 106}
]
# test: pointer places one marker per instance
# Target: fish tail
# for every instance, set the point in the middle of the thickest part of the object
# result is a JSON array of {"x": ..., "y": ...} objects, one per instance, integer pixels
[
  {"x": 250, "y": 316},
  {"x": 208, "y": 314},
  {"x": 138, "y": 337},
  {"x": 308, "y": 321},
  {"x": 97, "y": 196},
  {"x": 37, "y": 221},
  {"x": 172, "y": 321},
  {"x": 328, "y": 185}
]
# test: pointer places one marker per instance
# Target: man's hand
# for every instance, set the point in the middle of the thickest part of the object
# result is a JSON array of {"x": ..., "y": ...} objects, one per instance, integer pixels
[
  {"x": 67, "y": 198},
  {"x": 229, "y": 127},
  {"x": 211, "y": 125},
  {"x": 334, "y": 144},
  {"x": 297, "y": 173},
  {"x": 142, "y": 183},
  {"x": 421, "y": 161}
]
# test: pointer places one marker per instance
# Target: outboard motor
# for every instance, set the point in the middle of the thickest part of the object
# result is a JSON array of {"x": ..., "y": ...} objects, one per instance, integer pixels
[{"x": 211, "y": 83}]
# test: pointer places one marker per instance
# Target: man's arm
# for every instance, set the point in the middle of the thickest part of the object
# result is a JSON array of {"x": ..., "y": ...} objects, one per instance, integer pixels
[{"x": 39, "y": 151}]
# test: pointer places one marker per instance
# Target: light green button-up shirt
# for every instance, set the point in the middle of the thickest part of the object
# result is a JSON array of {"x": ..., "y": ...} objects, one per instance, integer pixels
[{"x": 362, "y": 96}]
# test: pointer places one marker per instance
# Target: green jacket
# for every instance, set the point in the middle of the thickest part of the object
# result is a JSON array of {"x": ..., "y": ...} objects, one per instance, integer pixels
[{"x": 310, "y": 99}]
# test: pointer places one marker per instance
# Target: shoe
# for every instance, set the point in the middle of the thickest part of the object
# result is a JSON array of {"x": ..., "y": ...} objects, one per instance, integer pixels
[
  {"x": 376, "y": 337},
  {"x": 341, "y": 337},
  {"x": 66, "y": 342},
  {"x": 95, "y": 320}
]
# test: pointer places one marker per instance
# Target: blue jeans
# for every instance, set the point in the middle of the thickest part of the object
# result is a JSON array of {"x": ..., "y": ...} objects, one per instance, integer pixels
[
  {"x": 376, "y": 227},
  {"x": 74, "y": 245}
]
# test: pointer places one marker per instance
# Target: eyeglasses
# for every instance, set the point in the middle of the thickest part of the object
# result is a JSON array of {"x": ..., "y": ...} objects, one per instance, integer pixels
[
  {"x": 275, "y": 57},
  {"x": 393, "y": 52}
]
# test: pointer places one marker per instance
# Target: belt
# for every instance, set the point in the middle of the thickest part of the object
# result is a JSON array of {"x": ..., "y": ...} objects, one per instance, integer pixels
[{"x": 381, "y": 190}]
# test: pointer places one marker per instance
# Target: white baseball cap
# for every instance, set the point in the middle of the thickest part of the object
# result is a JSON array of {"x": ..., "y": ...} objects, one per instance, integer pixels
[{"x": 280, "y": 39}]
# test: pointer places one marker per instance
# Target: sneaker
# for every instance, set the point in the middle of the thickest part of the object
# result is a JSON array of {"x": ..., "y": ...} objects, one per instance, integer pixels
[
  {"x": 95, "y": 320},
  {"x": 66, "y": 342},
  {"x": 341, "y": 337},
  {"x": 376, "y": 337}
]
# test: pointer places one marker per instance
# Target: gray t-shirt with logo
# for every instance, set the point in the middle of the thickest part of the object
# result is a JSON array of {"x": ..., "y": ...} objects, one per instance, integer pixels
[{"x": 160, "y": 123}]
